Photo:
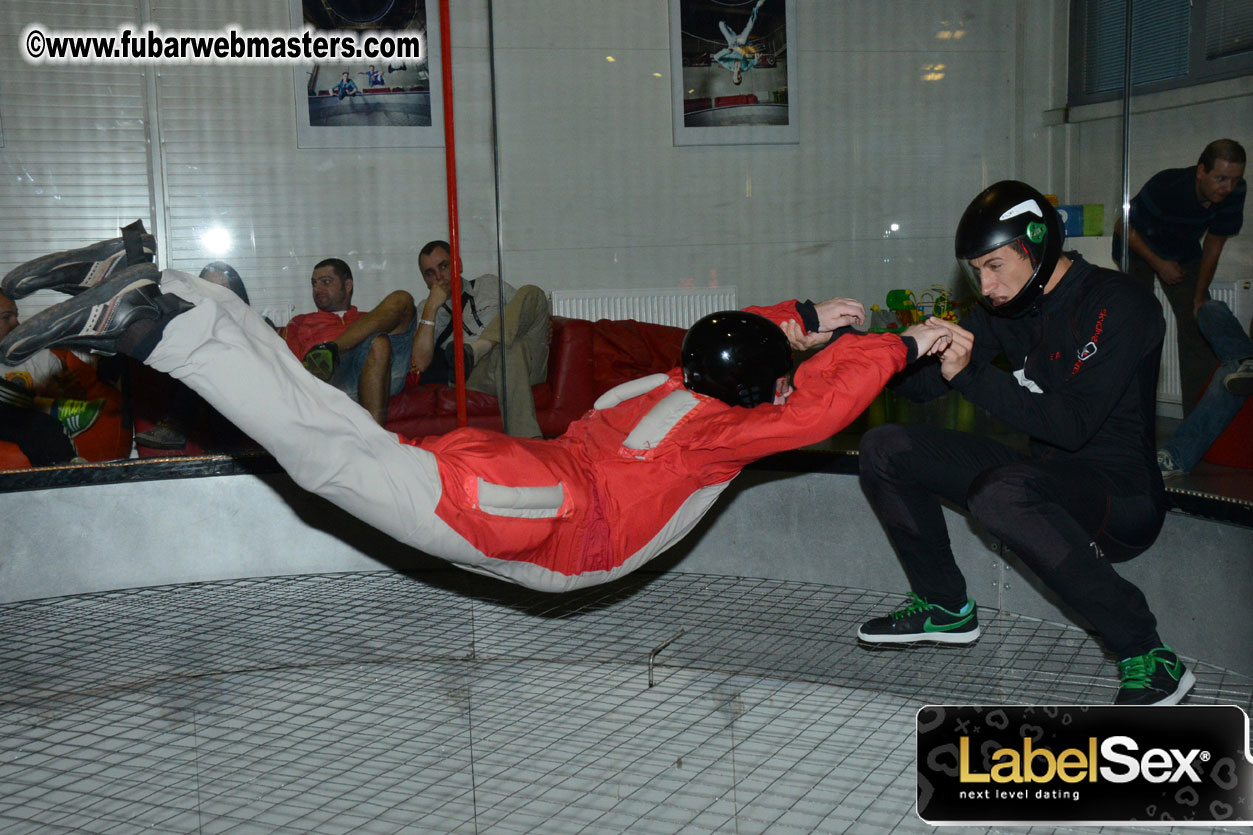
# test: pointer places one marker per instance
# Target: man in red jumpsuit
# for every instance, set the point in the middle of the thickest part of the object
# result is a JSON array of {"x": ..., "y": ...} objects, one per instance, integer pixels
[{"x": 624, "y": 482}]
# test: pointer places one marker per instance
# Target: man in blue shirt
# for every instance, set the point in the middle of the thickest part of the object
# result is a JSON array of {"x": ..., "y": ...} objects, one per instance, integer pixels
[
  {"x": 345, "y": 87},
  {"x": 1180, "y": 221}
]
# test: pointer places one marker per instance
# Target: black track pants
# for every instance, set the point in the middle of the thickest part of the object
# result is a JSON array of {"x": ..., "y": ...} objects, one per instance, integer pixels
[{"x": 1049, "y": 513}]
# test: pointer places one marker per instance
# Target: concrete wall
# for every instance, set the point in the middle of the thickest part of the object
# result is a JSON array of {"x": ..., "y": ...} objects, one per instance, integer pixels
[{"x": 1198, "y": 577}]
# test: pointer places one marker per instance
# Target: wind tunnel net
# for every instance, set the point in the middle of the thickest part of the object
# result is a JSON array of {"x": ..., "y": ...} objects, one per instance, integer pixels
[{"x": 380, "y": 702}]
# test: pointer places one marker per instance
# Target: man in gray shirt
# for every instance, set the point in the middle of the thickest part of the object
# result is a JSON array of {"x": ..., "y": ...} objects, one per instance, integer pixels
[{"x": 507, "y": 364}]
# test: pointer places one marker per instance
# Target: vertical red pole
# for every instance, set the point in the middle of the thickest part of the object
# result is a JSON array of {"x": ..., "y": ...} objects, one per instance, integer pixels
[{"x": 450, "y": 164}]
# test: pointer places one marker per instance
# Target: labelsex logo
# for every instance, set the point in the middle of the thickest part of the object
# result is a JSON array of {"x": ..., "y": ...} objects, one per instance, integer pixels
[{"x": 1039, "y": 765}]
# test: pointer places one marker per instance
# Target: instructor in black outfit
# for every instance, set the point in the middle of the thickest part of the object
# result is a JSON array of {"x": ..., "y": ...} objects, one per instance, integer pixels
[{"x": 1083, "y": 345}]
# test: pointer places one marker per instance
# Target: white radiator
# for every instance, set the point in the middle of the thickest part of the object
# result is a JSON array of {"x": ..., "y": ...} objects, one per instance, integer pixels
[
  {"x": 1238, "y": 295},
  {"x": 278, "y": 314},
  {"x": 679, "y": 307}
]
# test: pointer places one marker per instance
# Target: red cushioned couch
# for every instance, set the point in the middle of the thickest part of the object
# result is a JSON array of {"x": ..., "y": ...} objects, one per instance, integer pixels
[
  {"x": 568, "y": 392},
  {"x": 585, "y": 359},
  {"x": 1233, "y": 448}
]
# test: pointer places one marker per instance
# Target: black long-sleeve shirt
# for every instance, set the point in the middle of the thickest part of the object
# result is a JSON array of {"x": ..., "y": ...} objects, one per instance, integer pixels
[{"x": 1084, "y": 374}]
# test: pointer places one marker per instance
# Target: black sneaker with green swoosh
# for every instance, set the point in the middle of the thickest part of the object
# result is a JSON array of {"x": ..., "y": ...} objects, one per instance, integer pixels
[
  {"x": 1158, "y": 677},
  {"x": 922, "y": 622}
]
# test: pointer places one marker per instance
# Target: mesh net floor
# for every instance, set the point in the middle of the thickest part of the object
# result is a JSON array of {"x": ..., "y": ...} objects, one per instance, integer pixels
[{"x": 378, "y": 703}]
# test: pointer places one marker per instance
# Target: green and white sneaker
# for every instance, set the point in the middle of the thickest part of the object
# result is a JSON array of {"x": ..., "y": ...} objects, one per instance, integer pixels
[
  {"x": 76, "y": 416},
  {"x": 923, "y": 622},
  {"x": 321, "y": 360},
  {"x": 1158, "y": 677}
]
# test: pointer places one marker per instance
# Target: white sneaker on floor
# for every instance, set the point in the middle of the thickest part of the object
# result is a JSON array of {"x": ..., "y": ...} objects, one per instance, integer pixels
[
  {"x": 1240, "y": 381},
  {"x": 1166, "y": 463}
]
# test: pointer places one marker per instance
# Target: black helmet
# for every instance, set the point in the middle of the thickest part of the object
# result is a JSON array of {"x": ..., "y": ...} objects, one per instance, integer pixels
[
  {"x": 1010, "y": 212},
  {"x": 233, "y": 281},
  {"x": 736, "y": 357}
]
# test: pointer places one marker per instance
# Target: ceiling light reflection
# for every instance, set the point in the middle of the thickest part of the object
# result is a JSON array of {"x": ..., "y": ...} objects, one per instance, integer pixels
[{"x": 216, "y": 240}]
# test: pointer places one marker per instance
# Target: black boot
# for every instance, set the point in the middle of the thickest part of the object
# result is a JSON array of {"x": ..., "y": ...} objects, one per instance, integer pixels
[{"x": 124, "y": 314}]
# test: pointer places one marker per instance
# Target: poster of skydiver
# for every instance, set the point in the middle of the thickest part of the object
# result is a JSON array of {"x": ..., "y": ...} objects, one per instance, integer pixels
[
  {"x": 732, "y": 71},
  {"x": 370, "y": 101}
]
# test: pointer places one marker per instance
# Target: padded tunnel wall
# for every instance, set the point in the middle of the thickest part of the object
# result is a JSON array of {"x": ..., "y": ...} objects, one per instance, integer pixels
[{"x": 808, "y": 527}]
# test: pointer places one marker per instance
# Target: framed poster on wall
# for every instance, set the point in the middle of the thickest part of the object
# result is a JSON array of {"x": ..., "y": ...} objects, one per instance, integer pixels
[
  {"x": 370, "y": 102},
  {"x": 732, "y": 71}
]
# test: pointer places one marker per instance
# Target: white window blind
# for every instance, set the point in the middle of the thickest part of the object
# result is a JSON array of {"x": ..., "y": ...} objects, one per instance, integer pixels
[
  {"x": 74, "y": 155},
  {"x": 1228, "y": 28}
]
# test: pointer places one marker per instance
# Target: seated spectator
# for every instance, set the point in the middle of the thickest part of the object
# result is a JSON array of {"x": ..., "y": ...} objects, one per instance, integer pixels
[
  {"x": 365, "y": 355},
  {"x": 41, "y": 405},
  {"x": 1222, "y": 399},
  {"x": 187, "y": 409},
  {"x": 506, "y": 366}
]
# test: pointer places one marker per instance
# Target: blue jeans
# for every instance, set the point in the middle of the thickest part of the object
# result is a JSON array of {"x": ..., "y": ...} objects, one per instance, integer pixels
[
  {"x": 1217, "y": 406},
  {"x": 351, "y": 363}
]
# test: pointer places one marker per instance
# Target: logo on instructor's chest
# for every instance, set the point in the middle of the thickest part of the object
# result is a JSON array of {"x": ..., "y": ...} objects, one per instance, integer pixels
[{"x": 1088, "y": 351}]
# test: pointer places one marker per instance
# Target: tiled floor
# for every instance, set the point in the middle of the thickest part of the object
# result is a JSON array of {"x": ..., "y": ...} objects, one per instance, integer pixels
[{"x": 381, "y": 703}]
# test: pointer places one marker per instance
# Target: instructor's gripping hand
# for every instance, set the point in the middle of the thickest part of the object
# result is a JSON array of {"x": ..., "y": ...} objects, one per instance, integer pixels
[
  {"x": 929, "y": 337},
  {"x": 956, "y": 355},
  {"x": 838, "y": 313}
]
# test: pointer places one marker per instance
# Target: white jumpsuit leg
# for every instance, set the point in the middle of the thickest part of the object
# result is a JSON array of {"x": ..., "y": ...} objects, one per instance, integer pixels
[{"x": 228, "y": 354}]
